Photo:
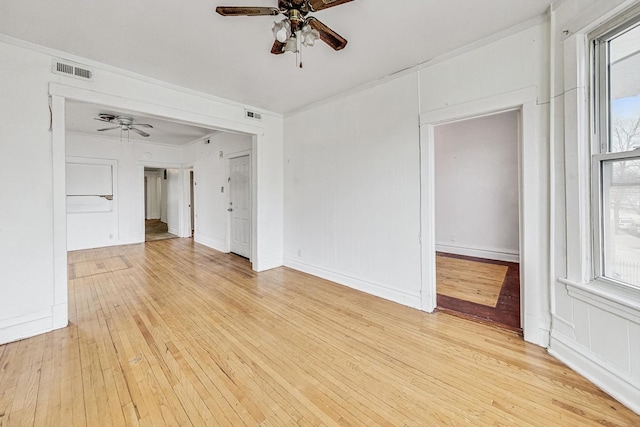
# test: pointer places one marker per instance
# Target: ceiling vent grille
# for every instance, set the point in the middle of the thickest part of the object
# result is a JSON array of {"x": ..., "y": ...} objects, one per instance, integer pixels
[
  {"x": 71, "y": 69},
  {"x": 253, "y": 115}
]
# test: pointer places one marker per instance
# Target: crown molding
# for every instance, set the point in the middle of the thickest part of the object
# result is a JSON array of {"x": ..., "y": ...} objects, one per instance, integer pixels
[
  {"x": 126, "y": 73},
  {"x": 523, "y": 26}
]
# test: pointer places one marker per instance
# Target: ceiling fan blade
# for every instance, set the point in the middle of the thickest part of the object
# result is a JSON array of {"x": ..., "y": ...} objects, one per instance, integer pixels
[
  {"x": 102, "y": 130},
  {"x": 325, "y": 4},
  {"x": 327, "y": 35},
  {"x": 138, "y": 131},
  {"x": 278, "y": 48},
  {"x": 143, "y": 125},
  {"x": 102, "y": 119},
  {"x": 247, "y": 11}
]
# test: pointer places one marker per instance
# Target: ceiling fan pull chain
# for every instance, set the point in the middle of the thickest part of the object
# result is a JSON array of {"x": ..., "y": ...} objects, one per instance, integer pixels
[
  {"x": 299, "y": 39},
  {"x": 297, "y": 25}
]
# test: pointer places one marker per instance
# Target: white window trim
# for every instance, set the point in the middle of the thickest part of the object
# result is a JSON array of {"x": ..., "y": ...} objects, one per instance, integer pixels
[
  {"x": 600, "y": 139},
  {"x": 581, "y": 281}
]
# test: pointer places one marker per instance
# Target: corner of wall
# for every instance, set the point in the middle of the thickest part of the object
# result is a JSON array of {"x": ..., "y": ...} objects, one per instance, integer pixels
[{"x": 587, "y": 364}]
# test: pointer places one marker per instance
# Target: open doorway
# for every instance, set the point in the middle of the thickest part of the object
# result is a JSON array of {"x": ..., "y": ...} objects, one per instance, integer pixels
[
  {"x": 160, "y": 197},
  {"x": 267, "y": 254},
  {"x": 477, "y": 218}
]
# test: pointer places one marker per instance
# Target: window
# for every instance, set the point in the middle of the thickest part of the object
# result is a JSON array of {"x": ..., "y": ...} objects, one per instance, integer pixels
[{"x": 616, "y": 154}]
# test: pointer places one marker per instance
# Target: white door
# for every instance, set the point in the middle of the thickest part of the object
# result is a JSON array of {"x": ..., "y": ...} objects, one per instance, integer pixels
[
  {"x": 192, "y": 204},
  {"x": 240, "y": 205}
]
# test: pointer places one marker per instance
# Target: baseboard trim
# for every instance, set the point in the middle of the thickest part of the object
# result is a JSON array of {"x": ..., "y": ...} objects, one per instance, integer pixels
[
  {"x": 577, "y": 358},
  {"x": 174, "y": 230},
  {"x": 479, "y": 253},
  {"x": 134, "y": 241},
  {"x": 211, "y": 242},
  {"x": 268, "y": 264},
  {"x": 60, "y": 316},
  {"x": 27, "y": 326},
  {"x": 109, "y": 243},
  {"x": 407, "y": 299}
]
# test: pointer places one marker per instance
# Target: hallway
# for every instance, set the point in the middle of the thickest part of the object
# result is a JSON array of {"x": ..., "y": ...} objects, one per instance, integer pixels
[{"x": 155, "y": 229}]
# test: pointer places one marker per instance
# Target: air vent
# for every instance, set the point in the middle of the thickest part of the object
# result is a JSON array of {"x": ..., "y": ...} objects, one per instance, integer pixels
[
  {"x": 253, "y": 115},
  {"x": 71, "y": 69}
]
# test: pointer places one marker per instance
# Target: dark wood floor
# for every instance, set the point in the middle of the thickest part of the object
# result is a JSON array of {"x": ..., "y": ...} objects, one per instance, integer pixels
[{"x": 506, "y": 313}]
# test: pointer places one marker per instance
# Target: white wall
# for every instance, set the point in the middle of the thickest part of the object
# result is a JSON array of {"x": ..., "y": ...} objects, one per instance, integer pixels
[
  {"x": 26, "y": 214},
  {"x": 173, "y": 198},
  {"x": 165, "y": 196},
  {"x": 155, "y": 192},
  {"x": 508, "y": 64},
  {"x": 350, "y": 186},
  {"x": 596, "y": 327},
  {"x": 476, "y": 187},
  {"x": 210, "y": 176},
  {"x": 488, "y": 79},
  {"x": 33, "y": 292},
  {"x": 352, "y": 191},
  {"x": 125, "y": 225},
  {"x": 352, "y": 172}
]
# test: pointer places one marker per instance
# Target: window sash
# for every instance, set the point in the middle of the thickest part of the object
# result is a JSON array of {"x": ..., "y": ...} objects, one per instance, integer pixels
[{"x": 601, "y": 138}]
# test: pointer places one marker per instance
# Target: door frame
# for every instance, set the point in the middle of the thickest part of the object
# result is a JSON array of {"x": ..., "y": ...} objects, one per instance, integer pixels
[
  {"x": 534, "y": 292},
  {"x": 505, "y": 256},
  {"x": 59, "y": 94},
  {"x": 159, "y": 165},
  {"x": 188, "y": 222},
  {"x": 252, "y": 186}
]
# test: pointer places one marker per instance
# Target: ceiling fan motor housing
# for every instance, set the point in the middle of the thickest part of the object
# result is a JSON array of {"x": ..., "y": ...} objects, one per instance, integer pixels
[
  {"x": 298, "y": 22},
  {"x": 124, "y": 121}
]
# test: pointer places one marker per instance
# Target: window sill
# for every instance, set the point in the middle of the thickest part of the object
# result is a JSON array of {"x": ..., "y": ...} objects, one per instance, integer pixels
[{"x": 617, "y": 299}]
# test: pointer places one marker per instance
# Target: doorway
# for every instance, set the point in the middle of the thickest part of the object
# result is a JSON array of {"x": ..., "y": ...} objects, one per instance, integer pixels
[
  {"x": 161, "y": 198},
  {"x": 240, "y": 205},
  {"x": 477, "y": 218},
  {"x": 191, "y": 113}
]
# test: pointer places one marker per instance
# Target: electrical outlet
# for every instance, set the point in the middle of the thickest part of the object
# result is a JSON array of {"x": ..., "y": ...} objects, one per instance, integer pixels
[
  {"x": 299, "y": 253},
  {"x": 452, "y": 237},
  {"x": 222, "y": 189},
  {"x": 110, "y": 236}
]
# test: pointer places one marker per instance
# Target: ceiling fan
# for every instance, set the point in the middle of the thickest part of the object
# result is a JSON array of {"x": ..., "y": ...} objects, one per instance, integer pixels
[
  {"x": 296, "y": 29},
  {"x": 124, "y": 123}
]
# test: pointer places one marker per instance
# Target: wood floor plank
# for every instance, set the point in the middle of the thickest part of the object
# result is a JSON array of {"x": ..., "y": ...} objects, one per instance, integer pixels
[
  {"x": 470, "y": 280},
  {"x": 477, "y": 288},
  {"x": 173, "y": 333}
]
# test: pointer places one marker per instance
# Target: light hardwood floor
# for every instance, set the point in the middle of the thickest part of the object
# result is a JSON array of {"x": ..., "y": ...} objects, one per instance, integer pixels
[
  {"x": 155, "y": 229},
  {"x": 481, "y": 289},
  {"x": 172, "y": 333},
  {"x": 468, "y": 280}
]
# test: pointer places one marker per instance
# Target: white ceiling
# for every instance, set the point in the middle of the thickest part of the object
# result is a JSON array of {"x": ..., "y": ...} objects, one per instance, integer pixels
[
  {"x": 188, "y": 44},
  {"x": 80, "y": 118}
]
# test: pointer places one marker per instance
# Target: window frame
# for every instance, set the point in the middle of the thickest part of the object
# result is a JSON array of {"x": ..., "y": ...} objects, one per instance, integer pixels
[{"x": 601, "y": 135}]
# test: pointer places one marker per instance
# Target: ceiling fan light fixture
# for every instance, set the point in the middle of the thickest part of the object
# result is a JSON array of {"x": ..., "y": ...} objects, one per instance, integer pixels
[
  {"x": 309, "y": 35},
  {"x": 297, "y": 29},
  {"x": 282, "y": 30},
  {"x": 291, "y": 45},
  {"x": 124, "y": 123}
]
